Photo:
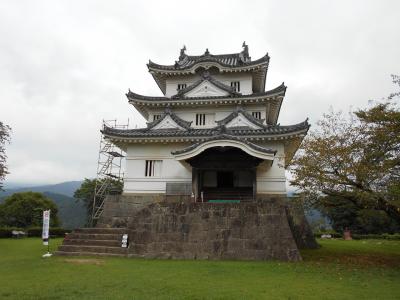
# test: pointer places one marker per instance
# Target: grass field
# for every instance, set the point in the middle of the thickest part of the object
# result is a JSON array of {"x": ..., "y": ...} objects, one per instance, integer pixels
[{"x": 367, "y": 269}]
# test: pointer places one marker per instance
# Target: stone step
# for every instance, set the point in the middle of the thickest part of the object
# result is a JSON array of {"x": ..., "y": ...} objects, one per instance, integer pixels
[
  {"x": 101, "y": 230},
  {"x": 93, "y": 242},
  {"x": 68, "y": 253},
  {"x": 92, "y": 249},
  {"x": 94, "y": 236}
]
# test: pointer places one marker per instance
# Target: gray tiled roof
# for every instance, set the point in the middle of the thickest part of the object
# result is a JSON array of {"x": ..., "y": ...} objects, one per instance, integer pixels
[
  {"x": 225, "y": 137},
  {"x": 278, "y": 90},
  {"x": 226, "y": 60},
  {"x": 274, "y": 130}
]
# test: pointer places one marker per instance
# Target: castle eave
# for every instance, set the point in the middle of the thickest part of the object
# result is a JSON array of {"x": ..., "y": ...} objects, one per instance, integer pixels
[
  {"x": 219, "y": 61},
  {"x": 276, "y": 132},
  {"x": 276, "y": 92},
  {"x": 272, "y": 99}
]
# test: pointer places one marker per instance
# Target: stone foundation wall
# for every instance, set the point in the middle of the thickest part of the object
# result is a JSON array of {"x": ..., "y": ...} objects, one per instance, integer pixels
[
  {"x": 119, "y": 209},
  {"x": 270, "y": 228},
  {"x": 298, "y": 223}
]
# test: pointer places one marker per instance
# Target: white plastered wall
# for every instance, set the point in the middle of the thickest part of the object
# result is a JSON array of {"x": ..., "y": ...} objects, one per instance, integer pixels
[
  {"x": 172, "y": 84},
  {"x": 135, "y": 180},
  {"x": 245, "y": 81},
  {"x": 226, "y": 78},
  {"x": 272, "y": 179},
  {"x": 218, "y": 112}
]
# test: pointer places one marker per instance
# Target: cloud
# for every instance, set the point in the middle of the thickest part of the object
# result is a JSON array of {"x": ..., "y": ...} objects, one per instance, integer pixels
[{"x": 66, "y": 65}]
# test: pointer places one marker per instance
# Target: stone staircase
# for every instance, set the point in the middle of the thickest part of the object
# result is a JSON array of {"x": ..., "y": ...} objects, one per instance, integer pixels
[{"x": 94, "y": 241}]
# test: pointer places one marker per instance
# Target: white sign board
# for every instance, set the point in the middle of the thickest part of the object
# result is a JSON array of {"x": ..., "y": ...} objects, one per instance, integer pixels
[
  {"x": 124, "y": 241},
  {"x": 46, "y": 225}
]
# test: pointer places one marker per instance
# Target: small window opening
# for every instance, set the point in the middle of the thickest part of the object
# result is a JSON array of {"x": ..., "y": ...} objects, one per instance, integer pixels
[
  {"x": 181, "y": 86},
  {"x": 236, "y": 85},
  {"x": 152, "y": 168},
  {"x": 200, "y": 119},
  {"x": 256, "y": 114}
]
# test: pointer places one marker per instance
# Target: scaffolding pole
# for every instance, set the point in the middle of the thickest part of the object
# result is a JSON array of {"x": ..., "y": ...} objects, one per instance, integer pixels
[{"x": 109, "y": 178}]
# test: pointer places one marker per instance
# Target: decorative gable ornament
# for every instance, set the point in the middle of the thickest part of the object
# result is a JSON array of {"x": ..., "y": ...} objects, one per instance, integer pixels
[
  {"x": 241, "y": 121},
  {"x": 206, "y": 89},
  {"x": 167, "y": 123}
]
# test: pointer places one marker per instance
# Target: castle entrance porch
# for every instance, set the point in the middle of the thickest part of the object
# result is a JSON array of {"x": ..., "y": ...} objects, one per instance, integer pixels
[{"x": 224, "y": 173}]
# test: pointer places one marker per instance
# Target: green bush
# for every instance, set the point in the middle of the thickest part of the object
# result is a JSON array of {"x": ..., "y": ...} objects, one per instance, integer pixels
[
  {"x": 34, "y": 231},
  {"x": 6, "y": 232},
  {"x": 383, "y": 236},
  {"x": 355, "y": 236},
  {"x": 25, "y": 209},
  {"x": 54, "y": 232}
]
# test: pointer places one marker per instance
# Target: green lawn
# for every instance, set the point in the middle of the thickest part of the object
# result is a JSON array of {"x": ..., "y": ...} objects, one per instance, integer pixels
[{"x": 367, "y": 269}]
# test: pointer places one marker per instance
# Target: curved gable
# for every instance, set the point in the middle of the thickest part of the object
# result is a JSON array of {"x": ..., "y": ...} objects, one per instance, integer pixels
[
  {"x": 225, "y": 141},
  {"x": 241, "y": 121},
  {"x": 206, "y": 89},
  {"x": 169, "y": 120},
  {"x": 167, "y": 123}
]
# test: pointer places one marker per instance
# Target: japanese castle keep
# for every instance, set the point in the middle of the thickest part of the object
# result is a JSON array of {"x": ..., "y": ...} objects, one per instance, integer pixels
[{"x": 206, "y": 177}]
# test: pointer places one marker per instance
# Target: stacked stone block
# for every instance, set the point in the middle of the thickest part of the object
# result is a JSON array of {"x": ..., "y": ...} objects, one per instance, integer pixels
[{"x": 248, "y": 231}]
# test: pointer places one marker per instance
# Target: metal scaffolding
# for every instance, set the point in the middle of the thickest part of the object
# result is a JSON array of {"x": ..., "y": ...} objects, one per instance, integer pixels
[{"x": 109, "y": 178}]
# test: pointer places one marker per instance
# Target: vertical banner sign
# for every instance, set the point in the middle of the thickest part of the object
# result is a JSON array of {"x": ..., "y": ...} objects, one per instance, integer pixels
[{"x": 46, "y": 225}]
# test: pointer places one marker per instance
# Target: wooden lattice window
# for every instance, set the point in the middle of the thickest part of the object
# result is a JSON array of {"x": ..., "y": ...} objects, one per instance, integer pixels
[
  {"x": 153, "y": 168},
  {"x": 181, "y": 86},
  {"x": 256, "y": 114},
  {"x": 200, "y": 119},
  {"x": 236, "y": 85}
]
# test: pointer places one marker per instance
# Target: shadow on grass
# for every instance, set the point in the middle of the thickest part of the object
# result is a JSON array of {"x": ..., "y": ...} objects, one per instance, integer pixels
[{"x": 360, "y": 253}]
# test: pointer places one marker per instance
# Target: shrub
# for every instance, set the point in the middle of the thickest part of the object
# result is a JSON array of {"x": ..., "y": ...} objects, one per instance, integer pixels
[
  {"x": 6, "y": 232},
  {"x": 26, "y": 209},
  {"x": 54, "y": 232},
  {"x": 355, "y": 236},
  {"x": 384, "y": 236}
]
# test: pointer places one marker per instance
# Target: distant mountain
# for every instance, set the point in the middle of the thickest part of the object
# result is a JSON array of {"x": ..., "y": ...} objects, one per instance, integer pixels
[
  {"x": 72, "y": 214},
  {"x": 64, "y": 188},
  {"x": 13, "y": 185}
]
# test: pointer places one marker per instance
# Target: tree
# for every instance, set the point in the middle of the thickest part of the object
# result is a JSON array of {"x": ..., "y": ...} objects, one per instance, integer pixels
[
  {"x": 355, "y": 159},
  {"x": 4, "y": 137},
  {"x": 86, "y": 192},
  {"x": 350, "y": 214},
  {"x": 26, "y": 209}
]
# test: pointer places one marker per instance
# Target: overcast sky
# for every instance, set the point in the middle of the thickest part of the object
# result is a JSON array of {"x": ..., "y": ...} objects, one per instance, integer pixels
[{"x": 66, "y": 65}]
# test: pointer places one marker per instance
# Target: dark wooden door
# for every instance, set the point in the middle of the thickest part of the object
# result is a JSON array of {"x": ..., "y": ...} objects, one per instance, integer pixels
[{"x": 225, "y": 179}]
